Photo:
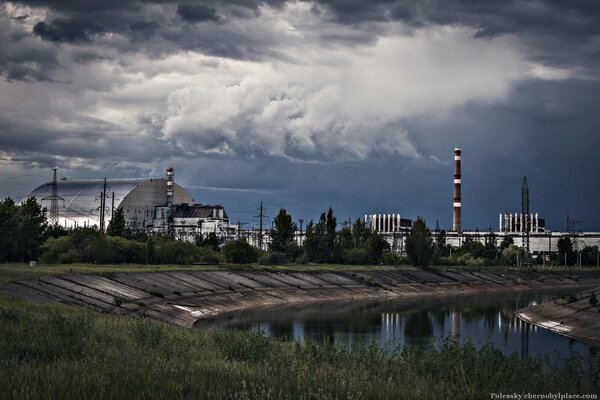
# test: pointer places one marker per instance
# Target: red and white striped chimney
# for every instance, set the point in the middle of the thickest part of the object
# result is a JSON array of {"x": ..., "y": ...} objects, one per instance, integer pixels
[
  {"x": 170, "y": 179},
  {"x": 456, "y": 206}
]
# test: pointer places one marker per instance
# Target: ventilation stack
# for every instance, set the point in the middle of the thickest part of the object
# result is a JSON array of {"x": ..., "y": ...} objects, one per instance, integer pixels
[
  {"x": 170, "y": 179},
  {"x": 456, "y": 213}
]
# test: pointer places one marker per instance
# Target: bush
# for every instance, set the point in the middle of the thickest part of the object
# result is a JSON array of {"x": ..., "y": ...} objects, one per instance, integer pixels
[
  {"x": 88, "y": 245},
  {"x": 55, "y": 248},
  {"x": 170, "y": 251},
  {"x": 356, "y": 256},
  {"x": 209, "y": 256},
  {"x": 240, "y": 252},
  {"x": 273, "y": 258},
  {"x": 390, "y": 258}
]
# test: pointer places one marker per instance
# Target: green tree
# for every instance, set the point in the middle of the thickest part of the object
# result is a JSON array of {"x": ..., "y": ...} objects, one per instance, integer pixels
[
  {"x": 375, "y": 247},
  {"x": 150, "y": 250},
  {"x": 419, "y": 244},
  {"x": 360, "y": 232},
  {"x": 565, "y": 250},
  {"x": 589, "y": 255},
  {"x": 315, "y": 247},
  {"x": 32, "y": 226},
  {"x": 283, "y": 234},
  {"x": 240, "y": 251},
  {"x": 116, "y": 226},
  {"x": 330, "y": 237},
  {"x": 9, "y": 230},
  {"x": 512, "y": 254},
  {"x": 507, "y": 241},
  {"x": 490, "y": 251}
]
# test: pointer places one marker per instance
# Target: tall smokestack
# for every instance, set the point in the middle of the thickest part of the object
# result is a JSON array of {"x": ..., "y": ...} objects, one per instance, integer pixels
[
  {"x": 456, "y": 227},
  {"x": 170, "y": 178}
]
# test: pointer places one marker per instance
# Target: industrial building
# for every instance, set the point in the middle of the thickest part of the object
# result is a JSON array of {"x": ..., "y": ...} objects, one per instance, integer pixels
[
  {"x": 515, "y": 223},
  {"x": 152, "y": 205},
  {"x": 387, "y": 223}
]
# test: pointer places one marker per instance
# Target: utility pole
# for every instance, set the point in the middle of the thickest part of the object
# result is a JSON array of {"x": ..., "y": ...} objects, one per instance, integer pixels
[
  {"x": 525, "y": 214},
  {"x": 112, "y": 208},
  {"x": 260, "y": 215},
  {"x": 103, "y": 205},
  {"x": 301, "y": 222},
  {"x": 54, "y": 197},
  {"x": 571, "y": 224}
]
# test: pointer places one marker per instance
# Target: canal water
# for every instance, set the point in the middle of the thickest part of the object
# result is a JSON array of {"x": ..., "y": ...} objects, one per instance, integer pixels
[{"x": 416, "y": 322}]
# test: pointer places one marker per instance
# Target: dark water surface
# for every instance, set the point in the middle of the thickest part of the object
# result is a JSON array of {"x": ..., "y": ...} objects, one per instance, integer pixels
[{"x": 416, "y": 322}]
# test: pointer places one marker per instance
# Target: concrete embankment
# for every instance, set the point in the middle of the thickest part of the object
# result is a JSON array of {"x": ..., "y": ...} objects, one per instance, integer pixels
[
  {"x": 184, "y": 297},
  {"x": 574, "y": 316}
]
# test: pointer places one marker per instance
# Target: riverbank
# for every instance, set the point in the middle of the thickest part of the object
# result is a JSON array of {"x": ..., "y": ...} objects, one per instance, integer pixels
[
  {"x": 576, "y": 316},
  {"x": 182, "y": 297},
  {"x": 54, "y": 351}
]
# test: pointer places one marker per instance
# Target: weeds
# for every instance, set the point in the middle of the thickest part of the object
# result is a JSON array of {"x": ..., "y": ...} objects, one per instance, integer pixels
[{"x": 58, "y": 352}]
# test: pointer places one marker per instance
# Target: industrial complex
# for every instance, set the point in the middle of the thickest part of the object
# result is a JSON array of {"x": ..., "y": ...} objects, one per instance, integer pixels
[
  {"x": 160, "y": 205},
  {"x": 154, "y": 205}
]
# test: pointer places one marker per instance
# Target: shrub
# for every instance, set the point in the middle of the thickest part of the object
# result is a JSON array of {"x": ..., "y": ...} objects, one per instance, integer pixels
[
  {"x": 242, "y": 346},
  {"x": 356, "y": 256},
  {"x": 390, "y": 258},
  {"x": 156, "y": 292},
  {"x": 209, "y": 256},
  {"x": 240, "y": 252},
  {"x": 273, "y": 258}
]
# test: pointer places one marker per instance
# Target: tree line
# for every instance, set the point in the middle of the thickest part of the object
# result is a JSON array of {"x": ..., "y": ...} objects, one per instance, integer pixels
[{"x": 26, "y": 236}]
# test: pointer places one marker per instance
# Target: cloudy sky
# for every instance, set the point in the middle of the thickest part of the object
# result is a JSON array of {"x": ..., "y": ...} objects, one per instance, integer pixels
[{"x": 309, "y": 104}]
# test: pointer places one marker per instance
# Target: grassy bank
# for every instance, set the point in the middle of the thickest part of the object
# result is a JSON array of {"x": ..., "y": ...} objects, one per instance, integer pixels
[
  {"x": 59, "y": 352},
  {"x": 20, "y": 271}
]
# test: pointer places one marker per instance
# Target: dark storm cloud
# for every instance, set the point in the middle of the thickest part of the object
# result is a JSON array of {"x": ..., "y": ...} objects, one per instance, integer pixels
[
  {"x": 197, "y": 13},
  {"x": 554, "y": 31},
  {"x": 546, "y": 130},
  {"x": 66, "y": 30}
]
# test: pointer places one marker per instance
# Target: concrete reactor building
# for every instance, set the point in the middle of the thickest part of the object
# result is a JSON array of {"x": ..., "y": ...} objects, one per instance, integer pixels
[{"x": 152, "y": 205}]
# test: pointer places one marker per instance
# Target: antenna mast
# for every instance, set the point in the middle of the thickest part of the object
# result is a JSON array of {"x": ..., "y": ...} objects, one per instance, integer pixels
[{"x": 525, "y": 219}]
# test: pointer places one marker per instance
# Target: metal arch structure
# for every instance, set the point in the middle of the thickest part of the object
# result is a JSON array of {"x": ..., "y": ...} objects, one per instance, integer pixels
[{"x": 81, "y": 204}]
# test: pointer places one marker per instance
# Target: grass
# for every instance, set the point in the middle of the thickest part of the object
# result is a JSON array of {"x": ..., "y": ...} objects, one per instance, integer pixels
[
  {"x": 21, "y": 271},
  {"x": 60, "y": 352}
]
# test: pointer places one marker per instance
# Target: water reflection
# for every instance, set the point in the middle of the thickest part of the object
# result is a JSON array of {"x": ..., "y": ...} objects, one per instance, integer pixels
[{"x": 415, "y": 322}]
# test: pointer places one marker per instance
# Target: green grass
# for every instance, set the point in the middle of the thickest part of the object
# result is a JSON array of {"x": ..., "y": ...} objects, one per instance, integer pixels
[
  {"x": 59, "y": 352},
  {"x": 13, "y": 272}
]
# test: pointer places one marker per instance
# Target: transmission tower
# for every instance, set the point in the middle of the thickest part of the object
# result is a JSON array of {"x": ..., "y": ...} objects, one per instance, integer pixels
[
  {"x": 525, "y": 216},
  {"x": 54, "y": 198},
  {"x": 260, "y": 215}
]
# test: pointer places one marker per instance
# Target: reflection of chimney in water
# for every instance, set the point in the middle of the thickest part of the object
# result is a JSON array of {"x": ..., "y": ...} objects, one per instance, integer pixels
[
  {"x": 455, "y": 325},
  {"x": 524, "y": 339}
]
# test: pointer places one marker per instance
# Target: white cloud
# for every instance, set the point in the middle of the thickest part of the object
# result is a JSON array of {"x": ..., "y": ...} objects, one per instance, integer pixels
[
  {"x": 325, "y": 92},
  {"x": 547, "y": 73},
  {"x": 344, "y": 102}
]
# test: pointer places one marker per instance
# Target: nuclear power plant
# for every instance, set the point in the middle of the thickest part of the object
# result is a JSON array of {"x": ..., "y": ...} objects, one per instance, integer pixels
[
  {"x": 160, "y": 205},
  {"x": 153, "y": 205},
  {"x": 526, "y": 229}
]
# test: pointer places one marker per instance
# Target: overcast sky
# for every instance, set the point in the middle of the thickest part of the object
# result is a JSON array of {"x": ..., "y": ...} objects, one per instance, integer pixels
[{"x": 309, "y": 104}]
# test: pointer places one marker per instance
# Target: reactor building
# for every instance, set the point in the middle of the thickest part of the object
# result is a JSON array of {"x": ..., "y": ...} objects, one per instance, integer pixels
[{"x": 152, "y": 205}]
